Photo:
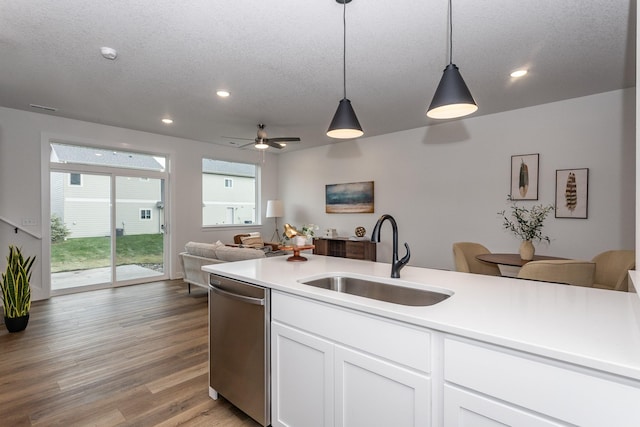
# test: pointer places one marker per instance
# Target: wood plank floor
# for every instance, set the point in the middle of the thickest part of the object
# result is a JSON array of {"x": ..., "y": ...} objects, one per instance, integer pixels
[{"x": 130, "y": 356}]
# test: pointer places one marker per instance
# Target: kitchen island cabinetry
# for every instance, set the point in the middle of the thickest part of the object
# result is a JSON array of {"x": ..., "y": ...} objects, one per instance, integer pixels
[
  {"x": 497, "y": 352},
  {"x": 319, "y": 381},
  {"x": 548, "y": 393}
]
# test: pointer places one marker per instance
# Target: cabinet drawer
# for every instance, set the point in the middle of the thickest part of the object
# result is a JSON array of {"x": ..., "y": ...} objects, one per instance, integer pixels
[
  {"x": 403, "y": 344},
  {"x": 559, "y": 390}
]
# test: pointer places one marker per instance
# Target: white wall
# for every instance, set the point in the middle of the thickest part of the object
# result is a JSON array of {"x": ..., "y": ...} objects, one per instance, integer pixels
[
  {"x": 21, "y": 173},
  {"x": 446, "y": 183}
]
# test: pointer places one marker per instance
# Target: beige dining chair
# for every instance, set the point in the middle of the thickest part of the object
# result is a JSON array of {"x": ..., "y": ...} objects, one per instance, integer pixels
[
  {"x": 612, "y": 268},
  {"x": 464, "y": 259},
  {"x": 568, "y": 272}
]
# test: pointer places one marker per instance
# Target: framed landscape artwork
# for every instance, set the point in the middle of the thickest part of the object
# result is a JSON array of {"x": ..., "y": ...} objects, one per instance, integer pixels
[
  {"x": 524, "y": 177},
  {"x": 355, "y": 197},
  {"x": 572, "y": 193}
]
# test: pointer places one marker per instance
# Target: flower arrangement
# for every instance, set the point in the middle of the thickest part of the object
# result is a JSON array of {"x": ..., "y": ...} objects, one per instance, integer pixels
[
  {"x": 527, "y": 223},
  {"x": 307, "y": 230}
]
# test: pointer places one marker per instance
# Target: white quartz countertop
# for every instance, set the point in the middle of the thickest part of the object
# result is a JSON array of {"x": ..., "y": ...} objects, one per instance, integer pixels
[{"x": 590, "y": 327}]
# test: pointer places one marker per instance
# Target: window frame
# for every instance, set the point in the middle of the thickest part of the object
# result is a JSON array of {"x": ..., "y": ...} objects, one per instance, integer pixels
[
  {"x": 71, "y": 183},
  {"x": 233, "y": 179},
  {"x": 145, "y": 218}
]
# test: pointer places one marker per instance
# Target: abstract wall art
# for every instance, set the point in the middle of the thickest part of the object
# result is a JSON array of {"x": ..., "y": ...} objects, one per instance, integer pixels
[{"x": 355, "y": 197}]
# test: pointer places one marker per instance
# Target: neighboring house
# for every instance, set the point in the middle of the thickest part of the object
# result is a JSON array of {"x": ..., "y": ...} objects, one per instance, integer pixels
[
  {"x": 228, "y": 192},
  {"x": 83, "y": 200}
]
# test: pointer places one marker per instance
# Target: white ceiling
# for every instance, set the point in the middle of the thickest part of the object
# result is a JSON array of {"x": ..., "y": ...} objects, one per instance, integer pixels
[{"x": 282, "y": 60}]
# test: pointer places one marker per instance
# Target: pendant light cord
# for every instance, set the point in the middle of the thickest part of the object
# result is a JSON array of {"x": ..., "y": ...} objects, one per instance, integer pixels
[
  {"x": 344, "y": 47},
  {"x": 450, "y": 34}
]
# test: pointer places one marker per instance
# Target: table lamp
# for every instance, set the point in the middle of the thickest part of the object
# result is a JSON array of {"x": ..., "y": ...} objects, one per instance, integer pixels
[{"x": 275, "y": 209}]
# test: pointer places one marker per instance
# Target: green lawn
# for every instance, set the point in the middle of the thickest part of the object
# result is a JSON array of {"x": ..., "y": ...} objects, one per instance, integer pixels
[{"x": 92, "y": 252}]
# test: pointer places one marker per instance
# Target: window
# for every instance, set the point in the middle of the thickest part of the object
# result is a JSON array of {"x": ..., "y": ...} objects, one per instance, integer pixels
[
  {"x": 145, "y": 214},
  {"x": 229, "y": 193},
  {"x": 75, "y": 179}
]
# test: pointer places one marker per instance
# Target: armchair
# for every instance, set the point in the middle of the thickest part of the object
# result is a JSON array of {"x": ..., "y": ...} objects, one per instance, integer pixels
[{"x": 568, "y": 272}]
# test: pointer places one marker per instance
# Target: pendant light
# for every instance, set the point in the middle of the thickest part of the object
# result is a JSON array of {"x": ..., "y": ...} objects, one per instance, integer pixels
[
  {"x": 345, "y": 124},
  {"x": 452, "y": 98}
]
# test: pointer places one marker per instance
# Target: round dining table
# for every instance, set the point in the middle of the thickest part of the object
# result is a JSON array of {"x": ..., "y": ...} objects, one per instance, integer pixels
[{"x": 513, "y": 260}]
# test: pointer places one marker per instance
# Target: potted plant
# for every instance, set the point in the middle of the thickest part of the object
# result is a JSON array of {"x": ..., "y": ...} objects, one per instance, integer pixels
[
  {"x": 526, "y": 224},
  {"x": 16, "y": 292}
]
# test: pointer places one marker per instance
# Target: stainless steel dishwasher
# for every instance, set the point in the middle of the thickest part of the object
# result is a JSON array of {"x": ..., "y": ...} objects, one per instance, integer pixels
[{"x": 239, "y": 345}]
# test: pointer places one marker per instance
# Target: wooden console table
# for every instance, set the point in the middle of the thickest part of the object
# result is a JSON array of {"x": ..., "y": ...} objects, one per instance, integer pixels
[{"x": 343, "y": 247}]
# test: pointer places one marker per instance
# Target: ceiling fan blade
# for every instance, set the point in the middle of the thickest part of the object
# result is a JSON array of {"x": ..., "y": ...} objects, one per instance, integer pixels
[
  {"x": 293, "y": 139},
  {"x": 246, "y": 145},
  {"x": 270, "y": 143},
  {"x": 234, "y": 137}
]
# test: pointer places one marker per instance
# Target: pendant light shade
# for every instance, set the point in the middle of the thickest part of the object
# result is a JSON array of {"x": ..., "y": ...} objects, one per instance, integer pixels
[
  {"x": 345, "y": 123},
  {"x": 452, "y": 98}
]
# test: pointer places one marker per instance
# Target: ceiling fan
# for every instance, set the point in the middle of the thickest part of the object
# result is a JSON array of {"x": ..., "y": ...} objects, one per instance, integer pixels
[{"x": 262, "y": 142}]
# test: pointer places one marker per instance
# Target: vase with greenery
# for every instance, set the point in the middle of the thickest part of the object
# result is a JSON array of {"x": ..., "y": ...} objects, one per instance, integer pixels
[
  {"x": 16, "y": 291},
  {"x": 300, "y": 237},
  {"x": 526, "y": 224}
]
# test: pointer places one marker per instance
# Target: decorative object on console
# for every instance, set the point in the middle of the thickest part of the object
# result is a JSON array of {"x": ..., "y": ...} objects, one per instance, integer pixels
[
  {"x": 360, "y": 231},
  {"x": 572, "y": 193},
  {"x": 345, "y": 123},
  {"x": 355, "y": 197},
  {"x": 300, "y": 237},
  {"x": 452, "y": 98},
  {"x": 275, "y": 209},
  {"x": 330, "y": 233},
  {"x": 527, "y": 225},
  {"x": 524, "y": 176}
]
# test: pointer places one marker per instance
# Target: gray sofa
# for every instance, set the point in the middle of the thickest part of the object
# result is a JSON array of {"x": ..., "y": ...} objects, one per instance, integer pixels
[{"x": 198, "y": 254}]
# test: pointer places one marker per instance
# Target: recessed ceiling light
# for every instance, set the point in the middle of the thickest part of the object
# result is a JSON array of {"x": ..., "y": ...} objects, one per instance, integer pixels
[
  {"x": 223, "y": 93},
  {"x": 98, "y": 154},
  {"x": 167, "y": 121},
  {"x": 519, "y": 73},
  {"x": 108, "y": 53}
]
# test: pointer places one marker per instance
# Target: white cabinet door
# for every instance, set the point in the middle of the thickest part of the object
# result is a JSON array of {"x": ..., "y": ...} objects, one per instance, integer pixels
[
  {"x": 302, "y": 378},
  {"x": 372, "y": 392},
  {"x": 463, "y": 408}
]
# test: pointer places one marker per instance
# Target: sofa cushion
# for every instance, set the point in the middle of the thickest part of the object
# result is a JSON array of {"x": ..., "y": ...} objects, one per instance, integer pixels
[
  {"x": 205, "y": 250},
  {"x": 228, "y": 253}
]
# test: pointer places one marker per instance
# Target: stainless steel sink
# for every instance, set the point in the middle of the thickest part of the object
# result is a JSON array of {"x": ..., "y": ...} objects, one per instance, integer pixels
[{"x": 378, "y": 290}]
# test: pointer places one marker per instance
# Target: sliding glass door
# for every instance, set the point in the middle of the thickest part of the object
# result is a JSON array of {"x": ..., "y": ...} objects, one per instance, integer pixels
[
  {"x": 108, "y": 218},
  {"x": 81, "y": 230},
  {"x": 139, "y": 228}
]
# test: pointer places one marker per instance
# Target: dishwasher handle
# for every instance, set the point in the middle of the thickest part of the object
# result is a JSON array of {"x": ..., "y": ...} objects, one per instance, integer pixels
[{"x": 242, "y": 298}]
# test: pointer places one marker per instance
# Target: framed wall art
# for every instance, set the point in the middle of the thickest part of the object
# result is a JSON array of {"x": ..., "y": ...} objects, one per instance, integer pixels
[
  {"x": 355, "y": 197},
  {"x": 572, "y": 193},
  {"x": 524, "y": 177}
]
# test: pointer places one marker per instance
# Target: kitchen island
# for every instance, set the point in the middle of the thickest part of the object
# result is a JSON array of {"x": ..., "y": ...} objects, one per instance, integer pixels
[{"x": 498, "y": 350}]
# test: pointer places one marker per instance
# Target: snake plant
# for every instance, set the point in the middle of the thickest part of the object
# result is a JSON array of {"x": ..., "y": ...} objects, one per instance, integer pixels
[{"x": 16, "y": 293}]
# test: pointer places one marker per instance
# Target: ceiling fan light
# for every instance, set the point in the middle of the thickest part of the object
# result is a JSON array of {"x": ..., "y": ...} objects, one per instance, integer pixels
[
  {"x": 345, "y": 123},
  {"x": 452, "y": 98},
  {"x": 261, "y": 145}
]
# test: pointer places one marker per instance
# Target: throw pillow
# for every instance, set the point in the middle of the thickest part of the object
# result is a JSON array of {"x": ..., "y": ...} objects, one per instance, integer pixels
[{"x": 252, "y": 241}]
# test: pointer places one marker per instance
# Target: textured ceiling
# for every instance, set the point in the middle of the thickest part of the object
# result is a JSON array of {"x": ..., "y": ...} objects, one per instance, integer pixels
[{"x": 282, "y": 60}]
